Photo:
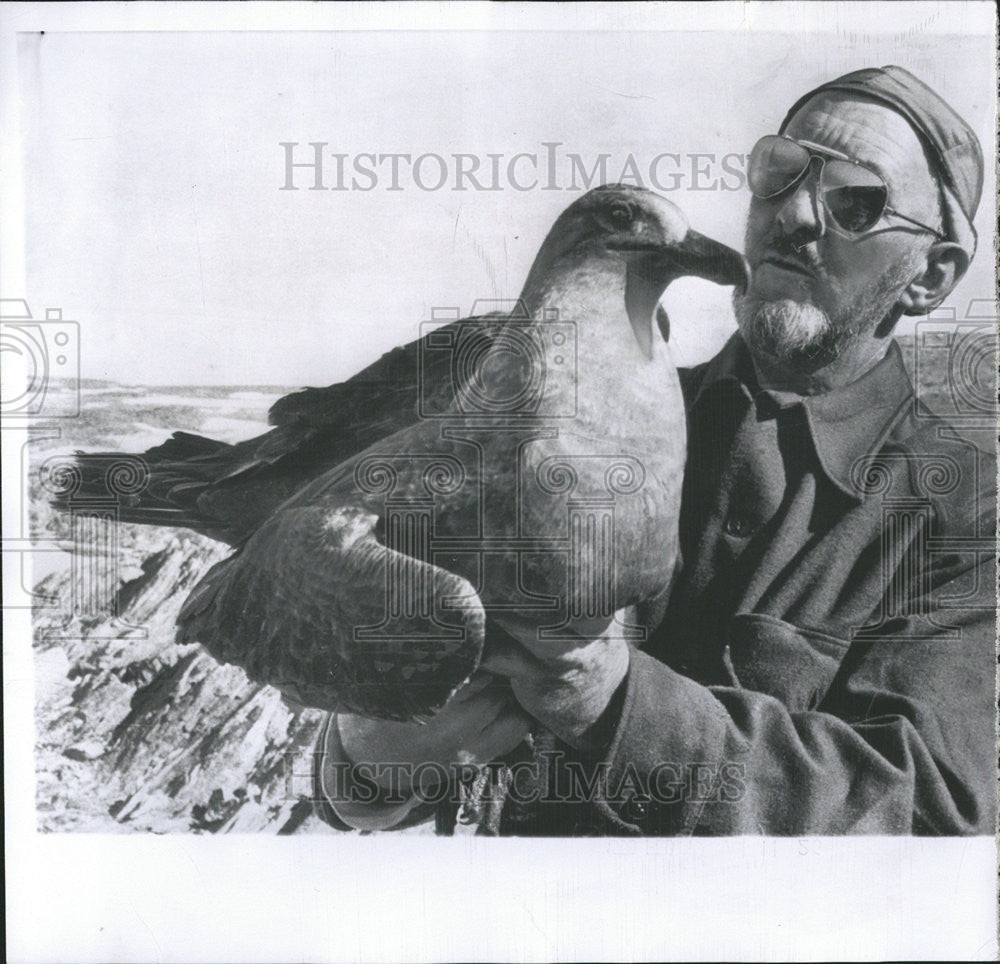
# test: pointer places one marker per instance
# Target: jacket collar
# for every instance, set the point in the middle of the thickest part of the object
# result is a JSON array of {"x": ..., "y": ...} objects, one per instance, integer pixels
[
  {"x": 846, "y": 425},
  {"x": 732, "y": 365}
]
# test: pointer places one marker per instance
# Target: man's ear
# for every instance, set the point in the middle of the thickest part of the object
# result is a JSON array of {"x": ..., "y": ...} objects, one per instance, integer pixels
[{"x": 946, "y": 263}]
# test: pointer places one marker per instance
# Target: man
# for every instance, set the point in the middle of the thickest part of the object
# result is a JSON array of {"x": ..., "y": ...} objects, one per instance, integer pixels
[{"x": 826, "y": 664}]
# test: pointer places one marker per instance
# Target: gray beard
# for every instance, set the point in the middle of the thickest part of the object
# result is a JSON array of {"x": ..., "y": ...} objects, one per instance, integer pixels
[{"x": 792, "y": 331}]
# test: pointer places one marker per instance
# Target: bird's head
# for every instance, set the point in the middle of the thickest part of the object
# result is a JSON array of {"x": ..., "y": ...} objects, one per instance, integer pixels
[{"x": 647, "y": 238}]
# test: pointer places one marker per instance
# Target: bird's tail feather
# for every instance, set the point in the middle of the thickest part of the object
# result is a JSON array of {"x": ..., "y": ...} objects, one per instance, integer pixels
[{"x": 161, "y": 487}]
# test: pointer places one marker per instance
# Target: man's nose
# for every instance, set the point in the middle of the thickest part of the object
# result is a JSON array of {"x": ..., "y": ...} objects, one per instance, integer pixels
[{"x": 801, "y": 216}]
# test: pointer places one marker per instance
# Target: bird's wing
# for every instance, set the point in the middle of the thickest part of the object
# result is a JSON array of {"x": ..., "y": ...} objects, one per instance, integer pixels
[
  {"x": 319, "y": 428},
  {"x": 227, "y": 491},
  {"x": 386, "y": 396},
  {"x": 394, "y": 373},
  {"x": 306, "y": 605}
]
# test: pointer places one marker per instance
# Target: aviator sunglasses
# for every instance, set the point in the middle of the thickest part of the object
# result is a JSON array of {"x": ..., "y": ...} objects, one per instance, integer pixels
[{"x": 854, "y": 196}]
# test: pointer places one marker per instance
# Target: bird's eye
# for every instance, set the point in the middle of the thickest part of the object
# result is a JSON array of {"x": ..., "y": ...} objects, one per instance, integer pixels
[
  {"x": 617, "y": 216},
  {"x": 621, "y": 214}
]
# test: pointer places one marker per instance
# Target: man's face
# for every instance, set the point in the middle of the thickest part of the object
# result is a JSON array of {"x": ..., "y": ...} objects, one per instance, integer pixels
[{"x": 815, "y": 290}]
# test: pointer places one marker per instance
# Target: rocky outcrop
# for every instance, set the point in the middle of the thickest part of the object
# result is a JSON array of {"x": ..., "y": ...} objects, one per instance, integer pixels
[{"x": 134, "y": 732}]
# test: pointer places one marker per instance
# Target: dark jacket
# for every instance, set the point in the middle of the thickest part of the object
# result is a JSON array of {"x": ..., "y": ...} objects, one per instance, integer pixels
[{"x": 827, "y": 662}]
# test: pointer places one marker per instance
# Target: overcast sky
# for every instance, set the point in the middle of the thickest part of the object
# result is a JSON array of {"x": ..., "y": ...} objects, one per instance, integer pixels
[{"x": 154, "y": 215}]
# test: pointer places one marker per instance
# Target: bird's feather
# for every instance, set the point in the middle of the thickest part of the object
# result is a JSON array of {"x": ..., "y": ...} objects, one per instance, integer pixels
[{"x": 279, "y": 609}]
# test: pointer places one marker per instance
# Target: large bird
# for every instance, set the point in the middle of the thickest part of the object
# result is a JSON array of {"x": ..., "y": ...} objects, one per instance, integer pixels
[{"x": 524, "y": 468}]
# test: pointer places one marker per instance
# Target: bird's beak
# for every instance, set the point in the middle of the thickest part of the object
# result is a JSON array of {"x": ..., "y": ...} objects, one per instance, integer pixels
[
  {"x": 704, "y": 258},
  {"x": 652, "y": 268}
]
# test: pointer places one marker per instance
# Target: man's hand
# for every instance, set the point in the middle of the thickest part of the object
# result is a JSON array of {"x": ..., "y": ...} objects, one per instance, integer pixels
[
  {"x": 481, "y": 722},
  {"x": 565, "y": 686}
]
